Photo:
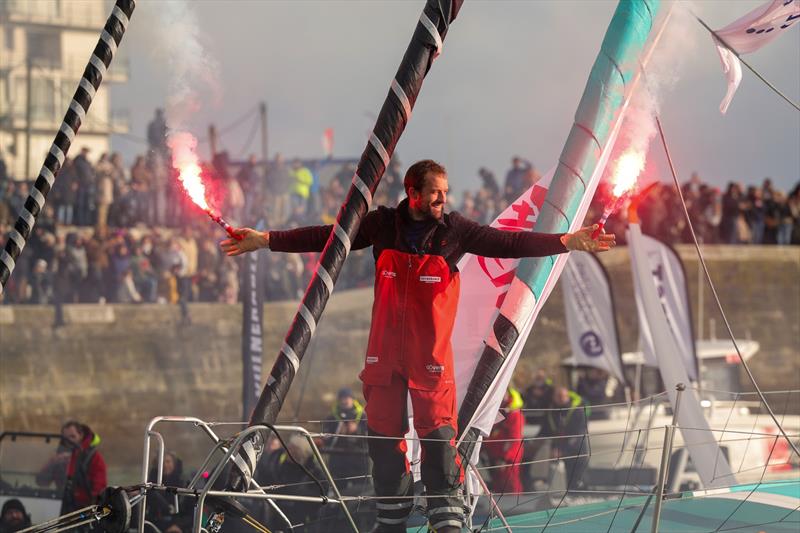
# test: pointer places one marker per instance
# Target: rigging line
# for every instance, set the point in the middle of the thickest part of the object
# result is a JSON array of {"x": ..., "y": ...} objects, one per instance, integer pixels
[
  {"x": 520, "y": 450},
  {"x": 627, "y": 484},
  {"x": 752, "y": 491},
  {"x": 745, "y": 63},
  {"x": 714, "y": 290},
  {"x": 250, "y": 136}
]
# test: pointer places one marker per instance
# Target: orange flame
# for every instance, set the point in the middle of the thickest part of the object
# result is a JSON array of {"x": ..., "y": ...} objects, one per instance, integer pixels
[
  {"x": 629, "y": 166},
  {"x": 185, "y": 160}
]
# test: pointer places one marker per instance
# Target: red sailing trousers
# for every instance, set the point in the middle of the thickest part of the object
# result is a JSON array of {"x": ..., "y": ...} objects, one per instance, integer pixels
[{"x": 409, "y": 354}]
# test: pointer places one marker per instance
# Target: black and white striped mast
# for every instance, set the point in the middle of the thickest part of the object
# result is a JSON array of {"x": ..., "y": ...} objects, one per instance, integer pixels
[
  {"x": 425, "y": 46},
  {"x": 103, "y": 54}
]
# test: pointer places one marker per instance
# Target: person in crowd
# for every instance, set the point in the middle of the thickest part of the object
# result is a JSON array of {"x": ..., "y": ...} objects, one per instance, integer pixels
[
  {"x": 78, "y": 464},
  {"x": 41, "y": 283},
  {"x": 302, "y": 179},
  {"x": 14, "y": 517},
  {"x": 105, "y": 192},
  {"x": 593, "y": 385},
  {"x": 279, "y": 184},
  {"x": 489, "y": 182},
  {"x": 538, "y": 397},
  {"x": 288, "y": 467},
  {"x": 348, "y": 459},
  {"x": 515, "y": 179},
  {"x": 566, "y": 425},
  {"x": 157, "y": 132},
  {"x": 733, "y": 206},
  {"x": 161, "y": 506},
  {"x": 87, "y": 189},
  {"x": 504, "y": 446}
]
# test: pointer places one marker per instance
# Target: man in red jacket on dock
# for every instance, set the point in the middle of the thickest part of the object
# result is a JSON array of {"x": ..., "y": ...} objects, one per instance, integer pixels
[{"x": 416, "y": 246}]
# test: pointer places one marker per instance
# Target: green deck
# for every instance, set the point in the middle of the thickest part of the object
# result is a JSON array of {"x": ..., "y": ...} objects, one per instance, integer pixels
[{"x": 770, "y": 507}]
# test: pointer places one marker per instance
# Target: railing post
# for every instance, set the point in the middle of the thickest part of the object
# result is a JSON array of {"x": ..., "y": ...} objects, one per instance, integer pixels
[{"x": 666, "y": 452}]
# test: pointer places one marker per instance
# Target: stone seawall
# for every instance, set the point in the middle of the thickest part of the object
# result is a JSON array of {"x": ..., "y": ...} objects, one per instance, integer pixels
[{"x": 117, "y": 366}]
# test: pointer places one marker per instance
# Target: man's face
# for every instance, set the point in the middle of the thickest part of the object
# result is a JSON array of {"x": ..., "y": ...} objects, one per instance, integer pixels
[
  {"x": 561, "y": 397},
  {"x": 430, "y": 201},
  {"x": 13, "y": 517},
  {"x": 72, "y": 435},
  {"x": 345, "y": 402}
]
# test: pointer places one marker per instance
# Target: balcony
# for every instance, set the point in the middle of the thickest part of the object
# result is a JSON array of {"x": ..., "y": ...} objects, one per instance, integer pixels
[
  {"x": 73, "y": 15},
  {"x": 50, "y": 120}
]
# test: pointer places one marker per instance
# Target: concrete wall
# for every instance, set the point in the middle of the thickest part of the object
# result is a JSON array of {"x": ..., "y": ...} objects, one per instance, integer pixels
[{"x": 117, "y": 366}]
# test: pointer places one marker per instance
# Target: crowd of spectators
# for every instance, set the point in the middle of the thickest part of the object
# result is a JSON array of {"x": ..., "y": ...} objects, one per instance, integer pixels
[{"x": 112, "y": 233}]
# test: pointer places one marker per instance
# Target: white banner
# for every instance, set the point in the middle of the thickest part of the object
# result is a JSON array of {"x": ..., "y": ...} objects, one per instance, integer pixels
[
  {"x": 669, "y": 279},
  {"x": 484, "y": 284},
  {"x": 710, "y": 463},
  {"x": 589, "y": 309},
  {"x": 748, "y": 34}
]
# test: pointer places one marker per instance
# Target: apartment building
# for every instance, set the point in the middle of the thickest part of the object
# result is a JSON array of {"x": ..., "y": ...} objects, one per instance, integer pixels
[{"x": 44, "y": 47}]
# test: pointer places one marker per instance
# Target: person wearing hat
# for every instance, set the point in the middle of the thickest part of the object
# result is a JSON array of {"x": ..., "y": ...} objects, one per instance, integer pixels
[
  {"x": 14, "y": 517},
  {"x": 347, "y": 451},
  {"x": 417, "y": 247}
]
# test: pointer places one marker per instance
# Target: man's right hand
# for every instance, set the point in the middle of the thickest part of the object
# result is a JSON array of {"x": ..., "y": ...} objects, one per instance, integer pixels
[{"x": 247, "y": 240}]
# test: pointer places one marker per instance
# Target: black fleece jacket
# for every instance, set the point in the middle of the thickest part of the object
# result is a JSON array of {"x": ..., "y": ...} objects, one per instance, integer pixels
[{"x": 386, "y": 228}]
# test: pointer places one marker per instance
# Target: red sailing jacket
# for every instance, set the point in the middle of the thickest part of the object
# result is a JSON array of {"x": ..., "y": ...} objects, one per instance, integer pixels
[{"x": 417, "y": 285}]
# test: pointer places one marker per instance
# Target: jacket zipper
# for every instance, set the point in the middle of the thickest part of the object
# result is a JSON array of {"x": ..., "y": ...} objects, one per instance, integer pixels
[{"x": 404, "y": 310}]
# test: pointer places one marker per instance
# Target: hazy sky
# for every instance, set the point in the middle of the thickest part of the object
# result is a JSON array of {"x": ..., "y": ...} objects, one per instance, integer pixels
[{"x": 508, "y": 82}]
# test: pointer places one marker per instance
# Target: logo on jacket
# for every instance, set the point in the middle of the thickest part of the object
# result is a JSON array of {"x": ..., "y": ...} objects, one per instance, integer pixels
[
  {"x": 430, "y": 279},
  {"x": 371, "y": 359},
  {"x": 388, "y": 274},
  {"x": 434, "y": 369}
]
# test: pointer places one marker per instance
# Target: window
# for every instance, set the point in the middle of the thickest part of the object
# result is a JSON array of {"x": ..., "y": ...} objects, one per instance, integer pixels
[{"x": 44, "y": 48}]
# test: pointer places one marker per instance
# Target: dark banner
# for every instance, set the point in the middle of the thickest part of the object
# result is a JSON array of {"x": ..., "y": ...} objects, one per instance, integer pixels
[{"x": 252, "y": 282}]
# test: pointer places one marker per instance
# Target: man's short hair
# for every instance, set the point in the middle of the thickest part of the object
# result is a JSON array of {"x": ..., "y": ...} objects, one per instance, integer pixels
[{"x": 415, "y": 175}]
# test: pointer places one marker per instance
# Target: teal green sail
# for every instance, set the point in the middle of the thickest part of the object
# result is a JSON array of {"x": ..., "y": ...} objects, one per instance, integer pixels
[
  {"x": 597, "y": 118},
  {"x": 601, "y": 104}
]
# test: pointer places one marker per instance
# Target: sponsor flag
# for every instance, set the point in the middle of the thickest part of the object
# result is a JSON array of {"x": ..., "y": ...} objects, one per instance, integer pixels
[
  {"x": 669, "y": 279},
  {"x": 252, "y": 283},
  {"x": 591, "y": 318},
  {"x": 327, "y": 142},
  {"x": 710, "y": 463},
  {"x": 748, "y": 34}
]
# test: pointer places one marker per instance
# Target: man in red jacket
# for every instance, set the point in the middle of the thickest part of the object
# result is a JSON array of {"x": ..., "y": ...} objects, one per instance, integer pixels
[
  {"x": 416, "y": 248},
  {"x": 86, "y": 470}
]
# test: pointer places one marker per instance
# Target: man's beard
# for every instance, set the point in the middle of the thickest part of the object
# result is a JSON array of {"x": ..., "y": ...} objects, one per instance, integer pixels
[{"x": 431, "y": 213}]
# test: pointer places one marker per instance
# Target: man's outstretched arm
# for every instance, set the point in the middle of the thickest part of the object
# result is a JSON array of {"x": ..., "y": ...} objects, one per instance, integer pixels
[
  {"x": 492, "y": 242},
  {"x": 306, "y": 239}
]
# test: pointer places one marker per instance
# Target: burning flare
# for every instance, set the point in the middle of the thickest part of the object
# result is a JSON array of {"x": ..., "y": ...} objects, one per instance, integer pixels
[
  {"x": 184, "y": 159},
  {"x": 629, "y": 166}
]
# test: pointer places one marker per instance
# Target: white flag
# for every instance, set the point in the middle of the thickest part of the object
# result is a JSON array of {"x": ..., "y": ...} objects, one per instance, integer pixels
[
  {"x": 710, "y": 463},
  {"x": 669, "y": 279},
  {"x": 748, "y": 34},
  {"x": 589, "y": 307},
  {"x": 484, "y": 284}
]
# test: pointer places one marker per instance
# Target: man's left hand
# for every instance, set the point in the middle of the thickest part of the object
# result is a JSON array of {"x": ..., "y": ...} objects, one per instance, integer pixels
[{"x": 582, "y": 241}]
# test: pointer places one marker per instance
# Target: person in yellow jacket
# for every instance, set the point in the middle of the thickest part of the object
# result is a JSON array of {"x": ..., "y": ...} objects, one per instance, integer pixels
[{"x": 301, "y": 181}]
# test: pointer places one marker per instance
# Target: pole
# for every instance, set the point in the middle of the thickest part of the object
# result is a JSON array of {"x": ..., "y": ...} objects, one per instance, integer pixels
[
  {"x": 666, "y": 452},
  {"x": 264, "y": 146},
  {"x": 28, "y": 114},
  {"x": 212, "y": 140},
  {"x": 425, "y": 46},
  {"x": 101, "y": 58}
]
